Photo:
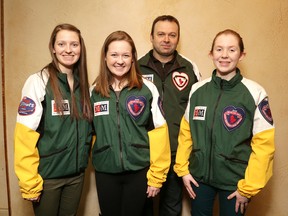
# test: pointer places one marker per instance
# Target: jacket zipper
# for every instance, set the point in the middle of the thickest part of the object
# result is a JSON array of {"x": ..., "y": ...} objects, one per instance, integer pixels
[
  {"x": 119, "y": 131},
  {"x": 212, "y": 129},
  {"x": 77, "y": 146}
]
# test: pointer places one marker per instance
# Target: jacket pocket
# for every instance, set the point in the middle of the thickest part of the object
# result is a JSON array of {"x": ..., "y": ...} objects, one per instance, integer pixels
[
  {"x": 197, "y": 164},
  {"x": 228, "y": 170},
  {"x": 138, "y": 155},
  {"x": 54, "y": 164},
  {"x": 104, "y": 159}
]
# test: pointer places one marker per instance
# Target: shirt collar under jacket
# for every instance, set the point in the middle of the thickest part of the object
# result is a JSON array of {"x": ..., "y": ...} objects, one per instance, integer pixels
[
  {"x": 224, "y": 84},
  {"x": 156, "y": 60}
]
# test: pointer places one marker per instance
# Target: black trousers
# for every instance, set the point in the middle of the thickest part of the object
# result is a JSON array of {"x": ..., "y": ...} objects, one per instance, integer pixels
[
  {"x": 169, "y": 202},
  {"x": 122, "y": 194}
]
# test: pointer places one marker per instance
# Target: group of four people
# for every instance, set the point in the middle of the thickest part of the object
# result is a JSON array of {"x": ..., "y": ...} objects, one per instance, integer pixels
[{"x": 150, "y": 122}]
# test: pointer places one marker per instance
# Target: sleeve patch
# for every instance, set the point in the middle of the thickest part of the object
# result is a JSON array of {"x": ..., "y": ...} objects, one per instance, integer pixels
[
  {"x": 265, "y": 110},
  {"x": 27, "y": 106}
]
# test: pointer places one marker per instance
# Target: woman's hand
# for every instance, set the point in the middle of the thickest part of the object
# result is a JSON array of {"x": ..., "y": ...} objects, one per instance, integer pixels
[
  {"x": 34, "y": 199},
  {"x": 241, "y": 201},
  {"x": 152, "y": 191},
  {"x": 187, "y": 180}
]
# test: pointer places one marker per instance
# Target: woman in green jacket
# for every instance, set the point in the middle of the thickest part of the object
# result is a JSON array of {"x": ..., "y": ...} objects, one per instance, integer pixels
[
  {"x": 226, "y": 139},
  {"x": 131, "y": 154},
  {"x": 53, "y": 131}
]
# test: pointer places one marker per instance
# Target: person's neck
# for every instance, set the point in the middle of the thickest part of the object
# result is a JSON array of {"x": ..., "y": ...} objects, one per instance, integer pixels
[
  {"x": 226, "y": 76},
  {"x": 118, "y": 85},
  {"x": 161, "y": 58}
]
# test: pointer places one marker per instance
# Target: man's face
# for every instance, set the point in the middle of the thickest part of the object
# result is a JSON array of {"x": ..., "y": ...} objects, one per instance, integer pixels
[{"x": 164, "y": 39}]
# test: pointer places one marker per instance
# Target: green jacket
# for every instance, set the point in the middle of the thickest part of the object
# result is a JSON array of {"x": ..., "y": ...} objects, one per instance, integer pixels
[
  {"x": 226, "y": 136},
  {"x": 131, "y": 133},
  {"x": 51, "y": 145},
  {"x": 174, "y": 90}
]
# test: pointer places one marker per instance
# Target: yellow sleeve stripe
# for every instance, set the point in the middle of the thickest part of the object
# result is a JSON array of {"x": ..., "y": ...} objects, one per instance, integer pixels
[
  {"x": 259, "y": 169},
  {"x": 26, "y": 161},
  {"x": 184, "y": 149},
  {"x": 160, "y": 156}
]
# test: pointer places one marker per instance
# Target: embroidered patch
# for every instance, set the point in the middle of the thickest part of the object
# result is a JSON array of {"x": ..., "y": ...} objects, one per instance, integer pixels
[
  {"x": 26, "y": 107},
  {"x": 101, "y": 108},
  {"x": 65, "y": 107},
  {"x": 149, "y": 77},
  {"x": 265, "y": 110},
  {"x": 135, "y": 106},
  {"x": 180, "y": 80},
  {"x": 233, "y": 117},
  {"x": 199, "y": 113}
]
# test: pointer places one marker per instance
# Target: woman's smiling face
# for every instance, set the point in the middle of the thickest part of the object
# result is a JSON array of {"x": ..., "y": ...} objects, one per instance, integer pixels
[
  {"x": 119, "y": 58},
  {"x": 67, "y": 49},
  {"x": 226, "y": 54}
]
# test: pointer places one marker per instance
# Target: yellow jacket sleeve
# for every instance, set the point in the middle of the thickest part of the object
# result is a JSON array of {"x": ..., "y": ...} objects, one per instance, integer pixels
[
  {"x": 259, "y": 169},
  {"x": 160, "y": 156},
  {"x": 184, "y": 149},
  {"x": 26, "y": 161}
]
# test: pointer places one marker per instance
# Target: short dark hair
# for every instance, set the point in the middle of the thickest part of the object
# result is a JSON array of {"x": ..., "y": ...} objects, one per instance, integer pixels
[{"x": 165, "y": 18}]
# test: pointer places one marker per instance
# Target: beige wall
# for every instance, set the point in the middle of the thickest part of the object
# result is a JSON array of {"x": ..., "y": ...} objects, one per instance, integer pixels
[{"x": 262, "y": 24}]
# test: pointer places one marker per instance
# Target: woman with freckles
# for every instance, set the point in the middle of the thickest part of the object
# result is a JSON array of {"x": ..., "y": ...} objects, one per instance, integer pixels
[
  {"x": 131, "y": 154},
  {"x": 53, "y": 131},
  {"x": 226, "y": 138}
]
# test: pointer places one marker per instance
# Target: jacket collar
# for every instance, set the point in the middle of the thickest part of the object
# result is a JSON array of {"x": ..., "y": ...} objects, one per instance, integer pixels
[{"x": 224, "y": 84}]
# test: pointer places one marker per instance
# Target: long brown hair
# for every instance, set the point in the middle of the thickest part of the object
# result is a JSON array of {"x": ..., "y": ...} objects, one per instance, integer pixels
[
  {"x": 80, "y": 70},
  {"x": 105, "y": 78}
]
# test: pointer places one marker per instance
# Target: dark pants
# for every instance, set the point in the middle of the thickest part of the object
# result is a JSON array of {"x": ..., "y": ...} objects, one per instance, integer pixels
[
  {"x": 60, "y": 197},
  {"x": 171, "y": 196},
  {"x": 122, "y": 194},
  {"x": 202, "y": 205}
]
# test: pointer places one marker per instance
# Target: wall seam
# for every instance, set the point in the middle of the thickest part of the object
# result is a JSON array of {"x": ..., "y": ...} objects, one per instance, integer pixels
[{"x": 4, "y": 106}]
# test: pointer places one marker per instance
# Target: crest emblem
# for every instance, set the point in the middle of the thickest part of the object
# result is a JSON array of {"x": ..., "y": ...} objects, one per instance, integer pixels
[
  {"x": 180, "y": 80},
  {"x": 265, "y": 110},
  {"x": 27, "y": 106},
  {"x": 136, "y": 106},
  {"x": 233, "y": 117}
]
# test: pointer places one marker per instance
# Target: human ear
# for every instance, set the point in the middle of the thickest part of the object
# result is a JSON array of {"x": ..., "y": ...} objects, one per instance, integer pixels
[{"x": 243, "y": 54}]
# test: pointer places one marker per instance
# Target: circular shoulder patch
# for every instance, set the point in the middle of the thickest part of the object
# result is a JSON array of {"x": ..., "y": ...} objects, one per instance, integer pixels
[{"x": 27, "y": 106}]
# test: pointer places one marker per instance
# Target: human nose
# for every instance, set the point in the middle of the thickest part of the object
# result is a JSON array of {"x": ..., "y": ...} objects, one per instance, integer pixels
[
  {"x": 120, "y": 60},
  {"x": 166, "y": 38},
  {"x": 68, "y": 49},
  {"x": 224, "y": 54}
]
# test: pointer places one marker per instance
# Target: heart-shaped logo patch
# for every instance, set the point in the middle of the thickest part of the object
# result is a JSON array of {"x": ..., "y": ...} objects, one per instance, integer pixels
[
  {"x": 136, "y": 106},
  {"x": 180, "y": 80},
  {"x": 233, "y": 117}
]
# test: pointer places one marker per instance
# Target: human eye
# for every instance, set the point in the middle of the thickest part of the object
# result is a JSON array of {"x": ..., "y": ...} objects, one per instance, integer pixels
[
  {"x": 60, "y": 44},
  {"x": 173, "y": 35},
  {"x": 160, "y": 34},
  {"x": 126, "y": 56},
  {"x": 75, "y": 44},
  {"x": 218, "y": 49}
]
